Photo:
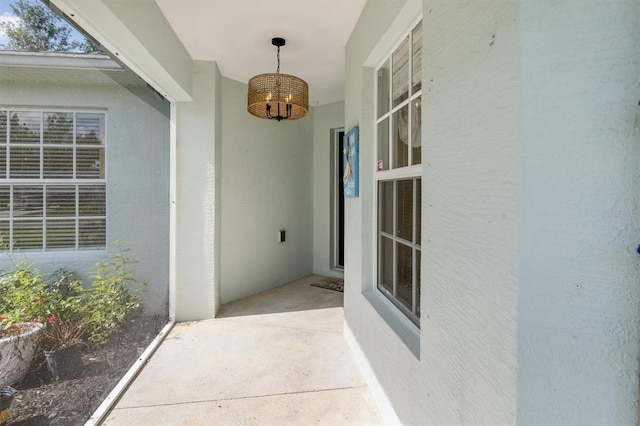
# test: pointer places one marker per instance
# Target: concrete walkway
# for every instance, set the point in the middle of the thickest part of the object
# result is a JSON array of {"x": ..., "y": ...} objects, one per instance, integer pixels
[{"x": 277, "y": 358}]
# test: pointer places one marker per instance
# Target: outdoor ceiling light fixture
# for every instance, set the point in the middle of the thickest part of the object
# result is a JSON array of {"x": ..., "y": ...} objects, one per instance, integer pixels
[{"x": 276, "y": 96}]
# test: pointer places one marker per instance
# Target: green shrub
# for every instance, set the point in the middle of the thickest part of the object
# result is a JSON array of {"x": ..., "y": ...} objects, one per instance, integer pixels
[
  {"x": 110, "y": 300},
  {"x": 23, "y": 295},
  {"x": 69, "y": 311}
]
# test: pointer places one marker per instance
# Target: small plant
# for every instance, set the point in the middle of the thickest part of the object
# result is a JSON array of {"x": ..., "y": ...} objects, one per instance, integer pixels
[
  {"x": 66, "y": 316},
  {"x": 110, "y": 300}
]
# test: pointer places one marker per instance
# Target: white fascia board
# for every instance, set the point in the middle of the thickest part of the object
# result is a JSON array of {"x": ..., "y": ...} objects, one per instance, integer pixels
[
  {"x": 160, "y": 60},
  {"x": 76, "y": 61}
]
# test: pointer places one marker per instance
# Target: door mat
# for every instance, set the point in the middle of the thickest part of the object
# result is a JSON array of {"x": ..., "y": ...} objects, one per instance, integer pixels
[{"x": 335, "y": 284}]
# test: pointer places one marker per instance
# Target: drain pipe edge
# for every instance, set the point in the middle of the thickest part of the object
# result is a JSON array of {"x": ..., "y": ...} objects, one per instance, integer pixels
[{"x": 101, "y": 412}]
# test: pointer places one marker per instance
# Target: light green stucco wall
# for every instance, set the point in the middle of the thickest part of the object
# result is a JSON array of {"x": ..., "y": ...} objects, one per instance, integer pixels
[
  {"x": 530, "y": 191},
  {"x": 196, "y": 198},
  {"x": 579, "y": 292},
  {"x": 137, "y": 164},
  {"x": 267, "y": 180}
]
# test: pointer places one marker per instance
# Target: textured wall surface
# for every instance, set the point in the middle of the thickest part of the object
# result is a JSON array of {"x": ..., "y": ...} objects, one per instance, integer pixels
[
  {"x": 197, "y": 198},
  {"x": 530, "y": 197},
  {"x": 267, "y": 183},
  {"x": 137, "y": 173},
  {"x": 466, "y": 364},
  {"x": 579, "y": 294},
  {"x": 471, "y": 166},
  {"x": 394, "y": 365}
]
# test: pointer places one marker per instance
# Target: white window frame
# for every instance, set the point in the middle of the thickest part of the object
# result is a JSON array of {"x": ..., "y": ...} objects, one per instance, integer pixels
[
  {"x": 45, "y": 183},
  {"x": 395, "y": 175}
]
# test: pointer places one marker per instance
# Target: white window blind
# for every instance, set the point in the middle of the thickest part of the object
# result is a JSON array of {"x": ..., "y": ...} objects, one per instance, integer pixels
[{"x": 52, "y": 180}]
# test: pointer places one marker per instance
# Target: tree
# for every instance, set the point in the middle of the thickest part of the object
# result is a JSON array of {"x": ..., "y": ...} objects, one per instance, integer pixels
[{"x": 41, "y": 30}]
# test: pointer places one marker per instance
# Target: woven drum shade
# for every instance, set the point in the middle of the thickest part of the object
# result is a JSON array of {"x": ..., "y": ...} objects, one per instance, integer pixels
[{"x": 278, "y": 90}]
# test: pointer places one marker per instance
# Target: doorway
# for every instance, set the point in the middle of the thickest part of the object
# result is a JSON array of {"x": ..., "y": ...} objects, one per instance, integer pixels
[{"x": 337, "y": 200}]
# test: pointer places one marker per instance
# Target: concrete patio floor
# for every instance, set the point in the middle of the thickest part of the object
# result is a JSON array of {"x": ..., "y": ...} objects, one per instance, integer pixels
[{"x": 276, "y": 358}]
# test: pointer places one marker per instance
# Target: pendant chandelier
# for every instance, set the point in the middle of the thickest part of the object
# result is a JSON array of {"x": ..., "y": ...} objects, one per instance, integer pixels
[{"x": 276, "y": 96}]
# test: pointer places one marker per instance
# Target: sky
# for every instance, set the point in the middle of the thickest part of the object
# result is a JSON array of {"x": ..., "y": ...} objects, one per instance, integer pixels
[{"x": 6, "y": 14}]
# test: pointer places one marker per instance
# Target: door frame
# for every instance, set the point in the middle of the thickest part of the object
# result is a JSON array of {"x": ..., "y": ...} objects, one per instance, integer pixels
[{"x": 337, "y": 199}]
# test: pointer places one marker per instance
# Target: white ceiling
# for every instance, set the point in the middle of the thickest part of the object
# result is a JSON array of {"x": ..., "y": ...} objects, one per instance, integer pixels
[{"x": 237, "y": 35}]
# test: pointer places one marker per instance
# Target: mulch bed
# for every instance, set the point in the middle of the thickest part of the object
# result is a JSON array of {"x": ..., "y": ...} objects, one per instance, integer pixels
[{"x": 41, "y": 401}]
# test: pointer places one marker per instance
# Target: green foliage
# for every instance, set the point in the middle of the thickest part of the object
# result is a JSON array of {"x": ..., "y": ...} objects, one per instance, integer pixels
[
  {"x": 69, "y": 311},
  {"x": 22, "y": 295},
  {"x": 41, "y": 30},
  {"x": 110, "y": 301}
]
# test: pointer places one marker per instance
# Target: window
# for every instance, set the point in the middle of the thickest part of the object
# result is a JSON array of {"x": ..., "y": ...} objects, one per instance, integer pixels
[
  {"x": 52, "y": 180},
  {"x": 398, "y": 176}
]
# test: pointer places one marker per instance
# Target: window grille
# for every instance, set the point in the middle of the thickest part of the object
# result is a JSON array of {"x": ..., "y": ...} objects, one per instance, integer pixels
[{"x": 52, "y": 180}]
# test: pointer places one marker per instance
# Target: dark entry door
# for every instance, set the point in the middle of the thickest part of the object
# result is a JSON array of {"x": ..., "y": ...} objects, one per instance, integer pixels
[{"x": 339, "y": 171}]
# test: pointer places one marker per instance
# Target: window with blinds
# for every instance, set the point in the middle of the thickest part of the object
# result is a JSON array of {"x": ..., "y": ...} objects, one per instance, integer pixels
[{"x": 52, "y": 180}]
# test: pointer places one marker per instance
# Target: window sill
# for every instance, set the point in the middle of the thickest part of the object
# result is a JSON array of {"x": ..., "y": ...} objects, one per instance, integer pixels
[
  {"x": 80, "y": 255},
  {"x": 408, "y": 333}
]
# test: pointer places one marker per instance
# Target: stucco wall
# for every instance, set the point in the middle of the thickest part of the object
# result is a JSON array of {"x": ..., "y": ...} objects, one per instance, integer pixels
[
  {"x": 471, "y": 210},
  {"x": 529, "y": 272},
  {"x": 393, "y": 363},
  {"x": 326, "y": 118},
  {"x": 196, "y": 294},
  {"x": 267, "y": 185},
  {"x": 137, "y": 174},
  {"x": 464, "y": 368},
  {"x": 579, "y": 289}
]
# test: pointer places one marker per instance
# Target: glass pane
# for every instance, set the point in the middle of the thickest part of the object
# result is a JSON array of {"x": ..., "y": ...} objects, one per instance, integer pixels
[
  {"x": 418, "y": 211},
  {"x": 404, "y": 200},
  {"x": 93, "y": 200},
  {"x": 385, "y": 206},
  {"x": 25, "y": 127},
  {"x": 90, "y": 128},
  {"x": 418, "y": 282},
  {"x": 58, "y": 163},
  {"x": 61, "y": 234},
  {"x": 5, "y": 201},
  {"x": 400, "y": 137},
  {"x": 61, "y": 201},
  {"x": 405, "y": 275},
  {"x": 27, "y": 234},
  {"x": 416, "y": 131},
  {"x": 400, "y": 80},
  {"x": 3, "y": 161},
  {"x": 25, "y": 162},
  {"x": 3, "y": 141},
  {"x": 58, "y": 128},
  {"x": 3, "y": 127},
  {"x": 93, "y": 233},
  {"x": 416, "y": 71},
  {"x": 383, "y": 89},
  {"x": 383, "y": 145},
  {"x": 27, "y": 201},
  {"x": 385, "y": 279},
  {"x": 89, "y": 163},
  {"x": 4, "y": 234}
]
